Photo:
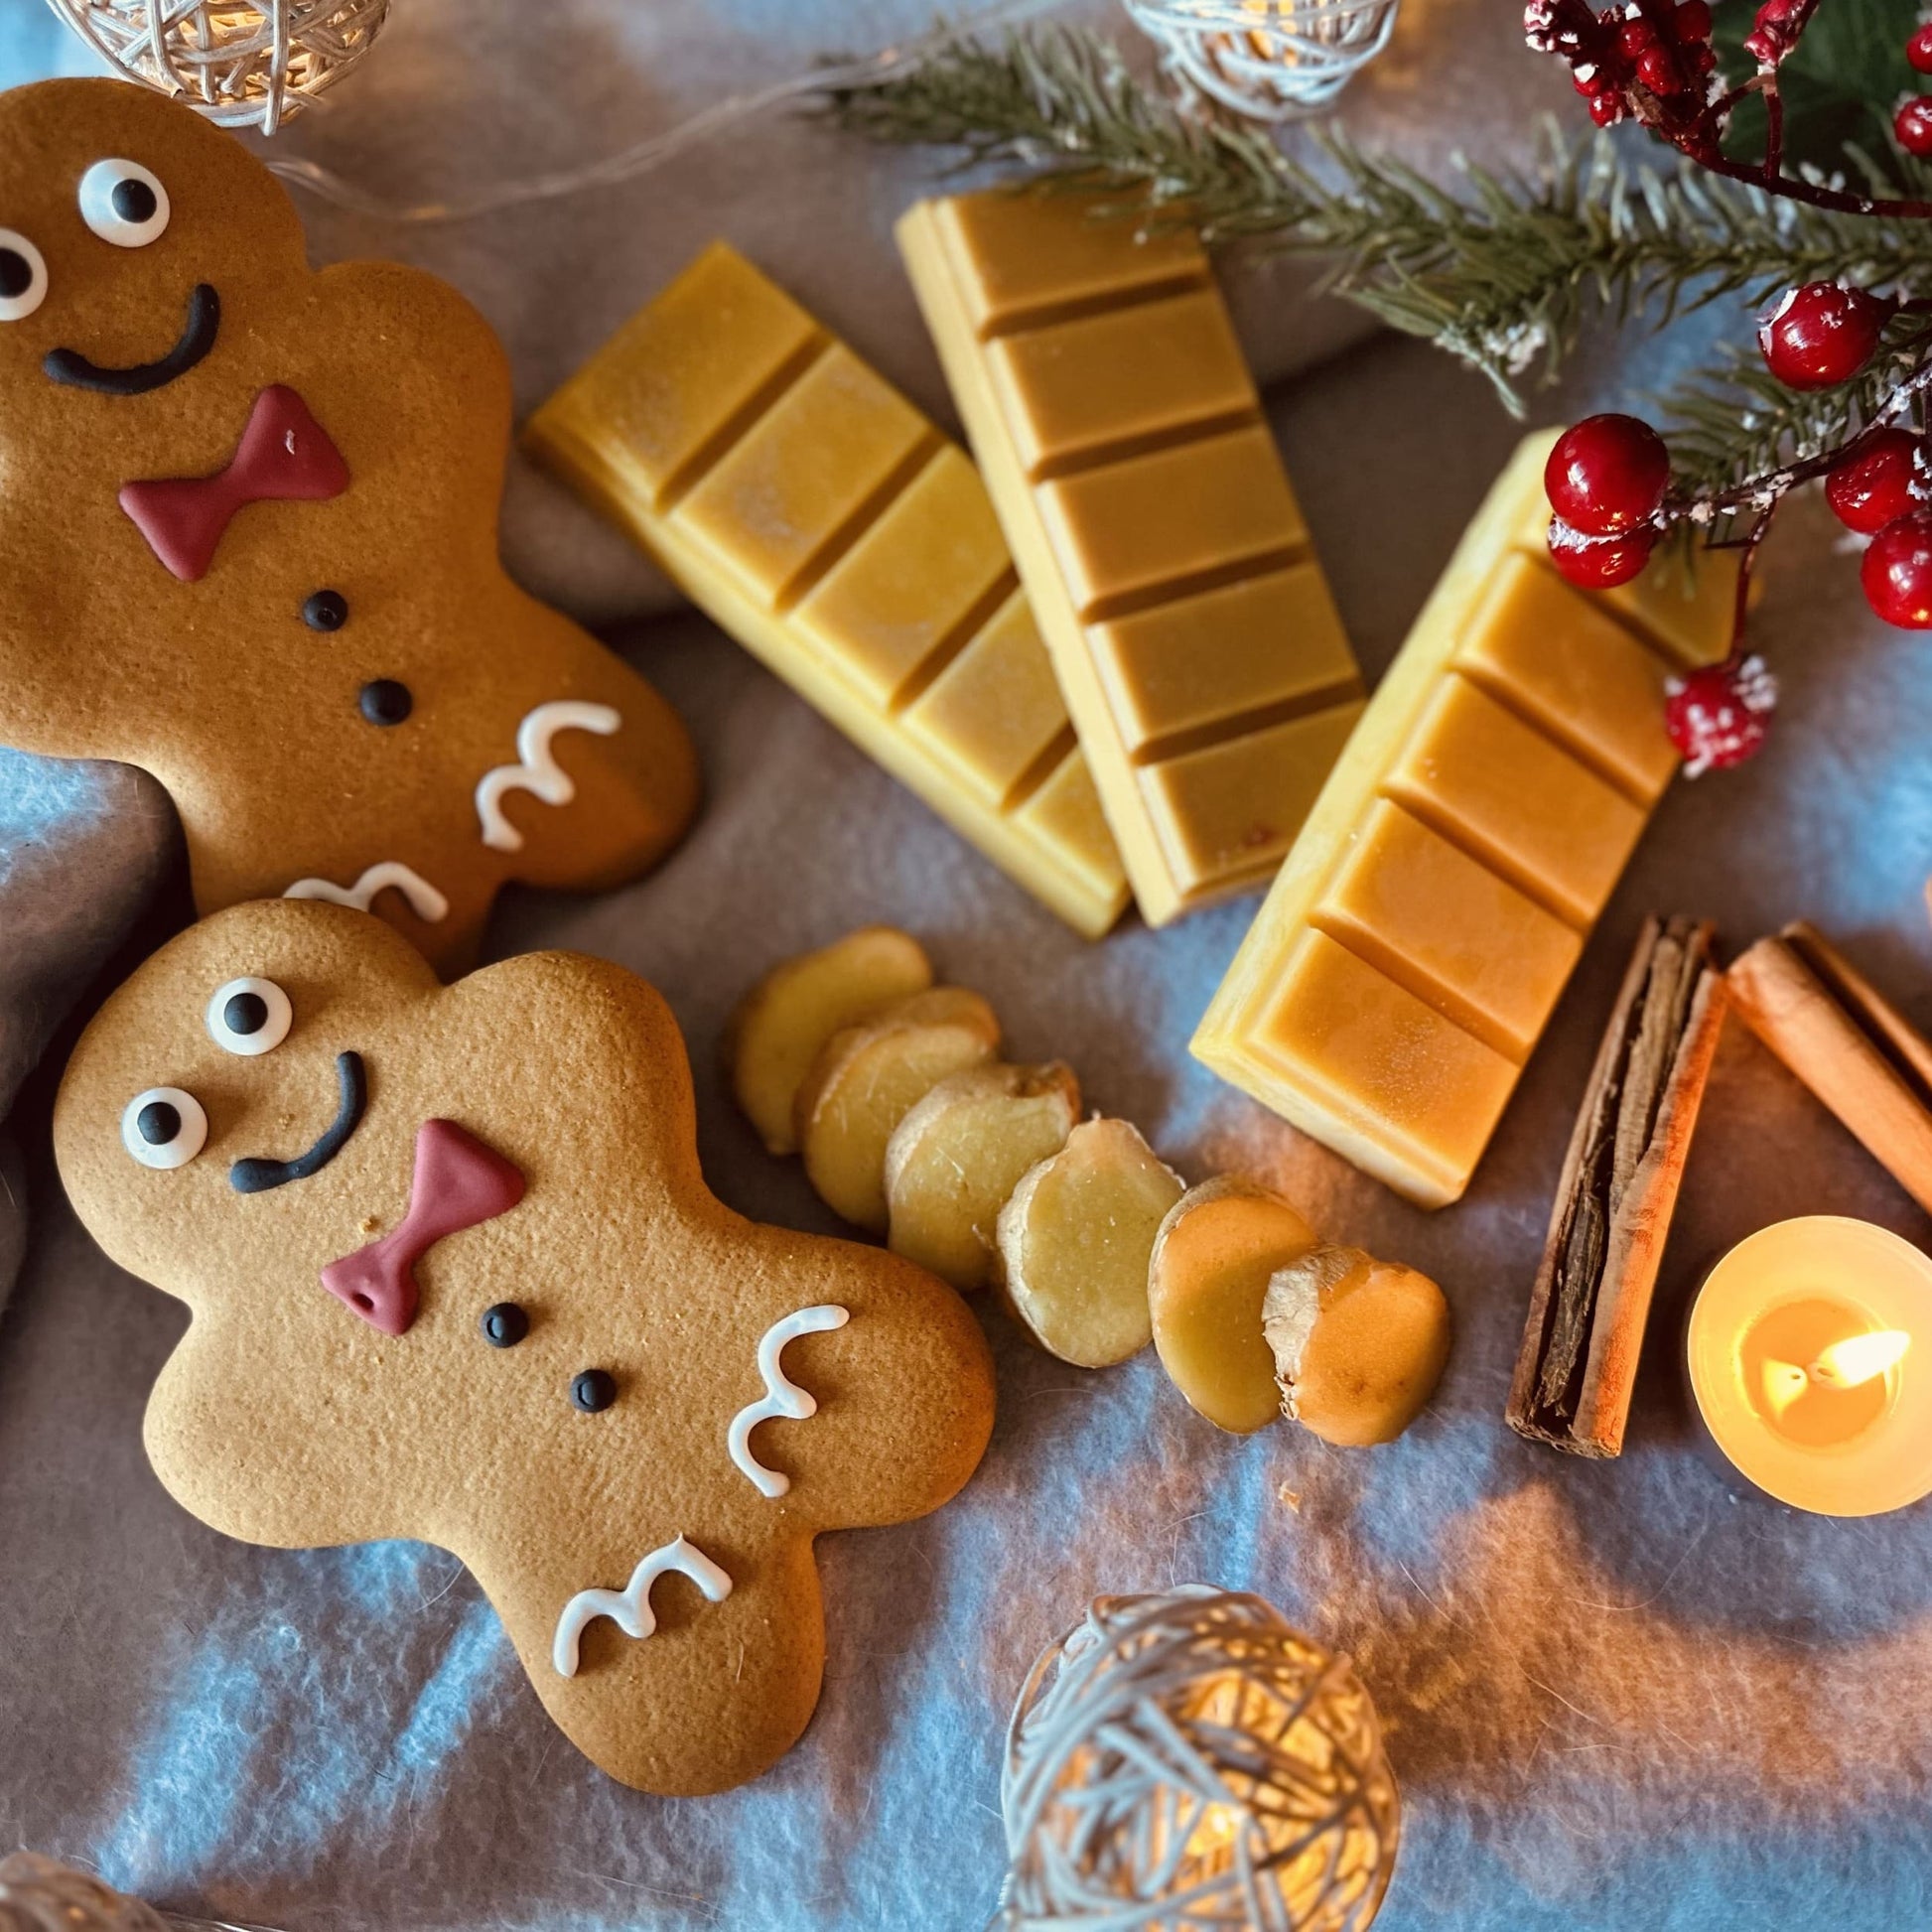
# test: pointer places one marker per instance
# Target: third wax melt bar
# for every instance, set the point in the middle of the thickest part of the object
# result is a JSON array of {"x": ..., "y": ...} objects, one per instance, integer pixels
[
  {"x": 1119, "y": 431},
  {"x": 1412, "y": 946},
  {"x": 823, "y": 522}
]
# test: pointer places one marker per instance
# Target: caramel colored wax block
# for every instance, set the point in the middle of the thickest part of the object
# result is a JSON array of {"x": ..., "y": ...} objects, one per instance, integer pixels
[
  {"x": 1420, "y": 931},
  {"x": 818, "y": 517},
  {"x": 1160, "y": 541}
]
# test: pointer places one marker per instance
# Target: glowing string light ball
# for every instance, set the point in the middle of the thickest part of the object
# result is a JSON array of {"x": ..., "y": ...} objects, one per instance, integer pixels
[
  {"x": 1270, "y": 59},
  {"x": 241, "y": 65},
  {"x": 1188, "y": 1763}
]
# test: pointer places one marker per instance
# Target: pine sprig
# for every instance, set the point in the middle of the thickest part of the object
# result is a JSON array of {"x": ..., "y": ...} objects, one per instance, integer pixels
[{"x": 1501, "y": 273}]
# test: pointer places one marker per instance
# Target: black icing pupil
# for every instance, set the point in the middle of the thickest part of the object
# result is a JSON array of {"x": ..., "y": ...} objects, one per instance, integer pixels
[
  {"x": 386, "y": 702},
  {"x": 245, "y": 1013},
  {"x": 158, "y": 1123},
  {"x": 504, "y": 1325},
  {"x": 595, "y": 1389},
  {"x": 16, "y": 274},
  {"x": 133, "y": 201},
  {"x": 325, "y": 610}
]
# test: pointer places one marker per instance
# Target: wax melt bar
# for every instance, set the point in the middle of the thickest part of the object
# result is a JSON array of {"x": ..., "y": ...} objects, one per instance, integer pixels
[
  {"x": 831, "y": 529},
  {"x": 1120, "y": 433},
  {"x": 1404, "y": 964}
]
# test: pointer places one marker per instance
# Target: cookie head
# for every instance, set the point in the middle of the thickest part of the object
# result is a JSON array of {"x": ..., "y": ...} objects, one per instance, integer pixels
[{"x": 131, "y": 237}]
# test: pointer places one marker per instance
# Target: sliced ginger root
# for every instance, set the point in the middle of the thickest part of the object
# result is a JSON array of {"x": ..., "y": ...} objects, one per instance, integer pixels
[
  {"x": 868, "y": 1078},
  {"x": 1358, "y": 1343},
  {"x": 786, "y": 1020},
  {"x": 959, "y": 1155},
  {"x": 1074, "y": 1242},
  {"x": 1212, "y": 1260}
]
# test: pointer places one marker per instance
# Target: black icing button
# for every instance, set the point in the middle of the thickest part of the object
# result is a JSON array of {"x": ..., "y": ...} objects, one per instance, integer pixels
[
  {"x": 16, "y": 274},
  {"x": 245, "y": 1014},
  {"x": 386, "y": 702},
  {"x": 158, "y": 1123},
  {"x": 595, "y": 1389},
  {"x": 325, "y": 610},
  {"x": 133, "y": 201},
  {"x": 505, "y": 1324}
]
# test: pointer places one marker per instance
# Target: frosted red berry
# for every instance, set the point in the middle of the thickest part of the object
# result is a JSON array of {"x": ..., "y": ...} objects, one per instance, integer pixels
[
  {"x": 1821, "y": 335},
  {"x": 1720, "y": 716},
  {"x": 1598, "y": 563},
  {"x": 1914, "y": 125},
  {"x": 1897, "y": 572},
  {"x": 1873, "y": 488},
  {"x": 1918, "y": 49},
  {"x": 1607, "y": 474},
  {"x": 1690, "y": 22},
  {"x": 1775, "y": 30}
]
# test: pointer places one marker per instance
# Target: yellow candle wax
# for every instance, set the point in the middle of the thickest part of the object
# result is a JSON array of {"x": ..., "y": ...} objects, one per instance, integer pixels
[{"x": 1809, "y": 1348}]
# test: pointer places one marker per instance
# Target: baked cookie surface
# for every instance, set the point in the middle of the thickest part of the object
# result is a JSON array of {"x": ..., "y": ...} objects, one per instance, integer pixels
[
  {"x": 455, "y": 1275},
  {"x": 248, "y": 515}
]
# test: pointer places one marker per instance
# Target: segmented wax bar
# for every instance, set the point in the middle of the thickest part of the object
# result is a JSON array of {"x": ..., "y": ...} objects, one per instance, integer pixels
[
  {"x": 836, "y": 534},
  {"x": 1412, "y": 947},
  {"x": 1121, "y": 436}
]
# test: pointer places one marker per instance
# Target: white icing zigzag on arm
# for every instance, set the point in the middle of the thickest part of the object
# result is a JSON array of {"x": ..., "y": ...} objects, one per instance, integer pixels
[
  {"x": 425, "y": 901},
  {"x": 783, "y": 1395},
  {"x": 539, "y": 771},
  {"x": 629, "y": 1607}
]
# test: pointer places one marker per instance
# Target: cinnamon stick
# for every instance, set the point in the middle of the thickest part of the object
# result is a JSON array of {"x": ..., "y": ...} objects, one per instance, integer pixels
[
  {"x": 1577, "y": 1365},
  {"x": 1847, "y": 1044}
]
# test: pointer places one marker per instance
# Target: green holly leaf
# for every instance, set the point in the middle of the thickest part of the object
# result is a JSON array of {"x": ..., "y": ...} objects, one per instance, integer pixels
[{"x": 1840, "y": 88}]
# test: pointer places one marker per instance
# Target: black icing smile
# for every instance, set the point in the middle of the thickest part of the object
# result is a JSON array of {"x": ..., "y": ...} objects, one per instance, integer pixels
[
  {"x": 197, "y": 338},
  {"x": 257, "y": 1174}
]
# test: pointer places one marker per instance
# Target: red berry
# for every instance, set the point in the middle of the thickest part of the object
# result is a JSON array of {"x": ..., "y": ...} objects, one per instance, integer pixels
[
  {"x": 1598, "y": 563},
  {"x": 1914, "y": 125},
  {"x": 1871, "y": 490},
  {"x": 1607, "y": 475},
  {"x": 1690, "y": 22},
  {"x": 1606, "y": 109},
  {"x": 1897, "y": 572},
  {"x": 1821, "y": 335},
  {"x": 1918, "y": 49},
  {"x": 1720, "y": 716},
  {"x": 1773, "y": 34}
]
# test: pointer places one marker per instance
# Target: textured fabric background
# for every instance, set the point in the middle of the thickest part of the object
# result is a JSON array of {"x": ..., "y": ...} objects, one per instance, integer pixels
[{"x": 1617, "y": 1697}]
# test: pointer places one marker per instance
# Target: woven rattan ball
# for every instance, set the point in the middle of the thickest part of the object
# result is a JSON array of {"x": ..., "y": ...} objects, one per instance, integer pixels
[
  {"x": 1271, "y": 60},
  {"x": 38, "y": 1895},
  {"x": 241, "y": 65},
  {"x": 1189, "y": 1761}
]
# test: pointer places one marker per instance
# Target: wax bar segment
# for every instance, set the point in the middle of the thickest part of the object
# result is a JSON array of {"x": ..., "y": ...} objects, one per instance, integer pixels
[
  {"x": 1165, "y": 555},
  {"x": 1417, "y": 937},
  {"x": 823, "y": 522}
]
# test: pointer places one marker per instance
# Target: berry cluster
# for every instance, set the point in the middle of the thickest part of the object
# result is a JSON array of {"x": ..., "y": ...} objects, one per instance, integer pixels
[
  {"x": 1652, "y": 61},
  {"x": 1914, "y": 121}
]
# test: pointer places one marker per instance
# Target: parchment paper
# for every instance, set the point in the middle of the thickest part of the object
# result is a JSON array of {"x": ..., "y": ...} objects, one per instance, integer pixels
[{"x": 1617, "y": 1695}]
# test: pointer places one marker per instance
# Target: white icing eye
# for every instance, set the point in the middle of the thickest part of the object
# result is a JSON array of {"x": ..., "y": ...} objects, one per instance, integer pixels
[
  {"x": 123, "y": 204},
  {"x": 23, "y": 277},
  {"x": 163, "y": 1127},
  {"x": 250, "y": 1017}
]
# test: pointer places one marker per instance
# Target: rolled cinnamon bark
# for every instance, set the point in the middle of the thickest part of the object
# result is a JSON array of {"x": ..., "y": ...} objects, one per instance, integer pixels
[{"x": 1577, "y": 1365}]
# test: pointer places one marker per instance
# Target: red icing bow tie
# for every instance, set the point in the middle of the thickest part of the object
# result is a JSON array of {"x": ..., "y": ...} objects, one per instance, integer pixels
[
  {"x": 459, "y": 1183},
  {"x": 284, "y": 455}
]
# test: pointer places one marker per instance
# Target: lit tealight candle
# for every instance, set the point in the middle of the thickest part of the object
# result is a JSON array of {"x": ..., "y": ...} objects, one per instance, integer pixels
[{"x": 1811, "y": 1363}]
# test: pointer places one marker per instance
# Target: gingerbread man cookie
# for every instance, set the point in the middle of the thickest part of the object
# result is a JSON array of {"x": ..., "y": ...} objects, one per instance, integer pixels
[
  {"x": 455, "y": 1275},
  {"x": 249, "y": 523}
]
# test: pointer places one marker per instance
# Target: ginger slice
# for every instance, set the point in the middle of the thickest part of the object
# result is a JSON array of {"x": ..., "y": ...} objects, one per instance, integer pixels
[
  {"x": 954, "y": 1160},
  {"x": 1074, "y": 1242},
  {"x": 1212, "y": 1260},
  {"x": 868, "y": 1078},
  {"x": 1358, "y": 1343},
  {"x": 789, "y": 1015}
]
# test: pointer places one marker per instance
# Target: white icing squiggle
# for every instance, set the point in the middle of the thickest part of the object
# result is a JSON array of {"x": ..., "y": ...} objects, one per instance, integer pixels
[
  {"x": 539, "y": 771},
  {"x": 425, "y": 901},
  {"x": 783, "y": 1395},
  {"x": 629, "y": 1607}
]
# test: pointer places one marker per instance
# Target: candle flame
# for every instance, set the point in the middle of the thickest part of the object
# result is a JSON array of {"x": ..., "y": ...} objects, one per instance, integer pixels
[{"x": 1859, "y": 1360}]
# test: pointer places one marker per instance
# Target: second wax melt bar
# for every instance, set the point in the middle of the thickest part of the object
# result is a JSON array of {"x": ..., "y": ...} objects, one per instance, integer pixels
[
  {"x": 818, "y": 517},
  {"x": 1169, "y": 564},
  {"x": 1414, "y": 945}
]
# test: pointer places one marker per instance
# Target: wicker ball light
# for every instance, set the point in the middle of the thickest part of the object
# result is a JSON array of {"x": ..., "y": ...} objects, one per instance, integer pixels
[
  {"x": 39, "y": 1894},
  {"x": 241, "y": 65},
  {"x": 1190, "y": 1760},
  {"x": 1270, "y": 59}
]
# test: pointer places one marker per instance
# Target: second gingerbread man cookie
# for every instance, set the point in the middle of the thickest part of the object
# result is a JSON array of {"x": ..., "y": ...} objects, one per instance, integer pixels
[
  {"x": 249, "y": 522},
  {"x": 455, "y": 1275}
]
